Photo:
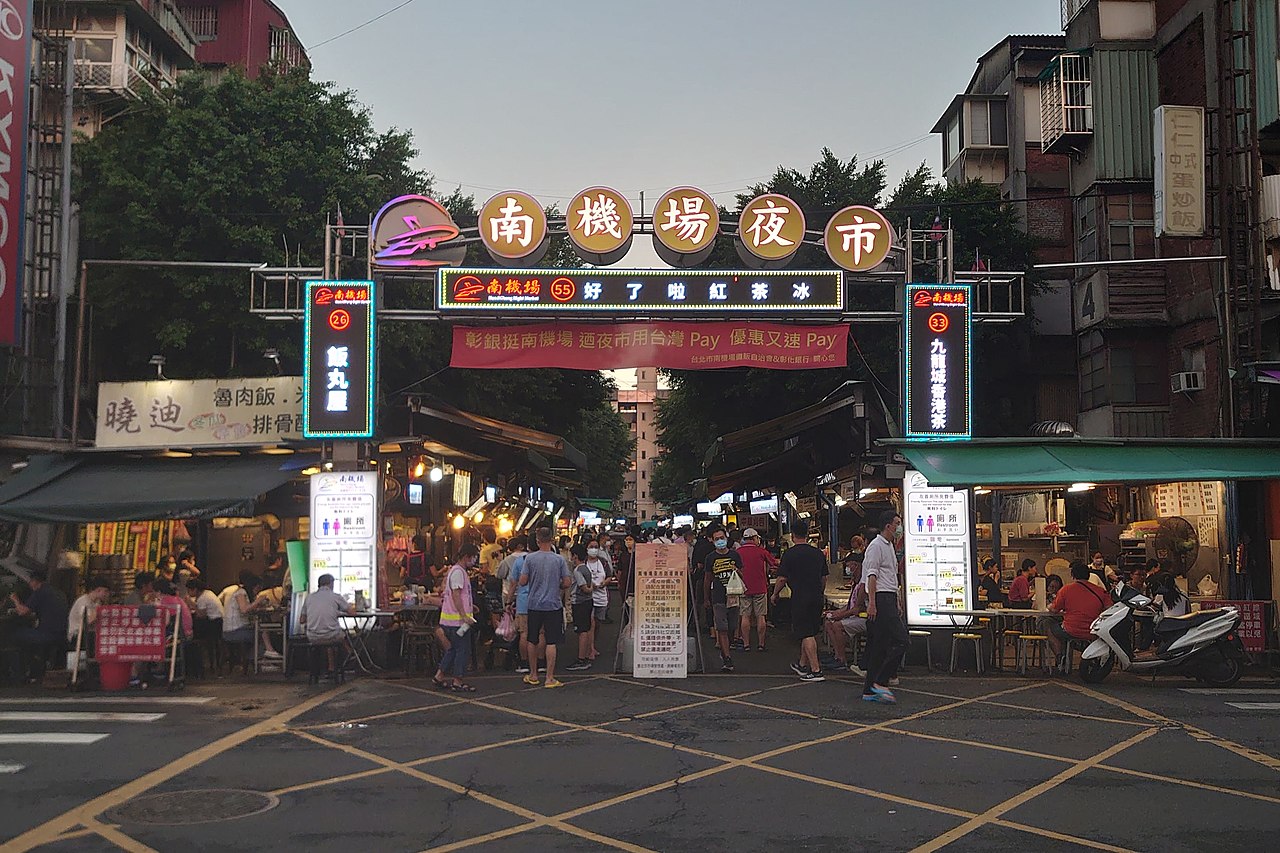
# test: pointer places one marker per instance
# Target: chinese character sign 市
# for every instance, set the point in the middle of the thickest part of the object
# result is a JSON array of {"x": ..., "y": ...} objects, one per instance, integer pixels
[
  {"x": 937, "y": 355},
  {"x": 338, "y": 359}
]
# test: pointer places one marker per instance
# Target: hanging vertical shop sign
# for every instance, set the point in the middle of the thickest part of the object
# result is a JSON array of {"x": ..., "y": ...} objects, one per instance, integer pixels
[
  {"x": 338, "y": 360},
  {"x": 344, "y": 531},
  {"x": 513, "y": 227},
  {"x": 935, "y": 523},
  {"x": 686, "y": 223},
  {"x": 858, "y": 238},
  {"x": 770, "y": 229},
  {"x": 1180, "y": 168},
  {"x": 15, "y": 77},
  {"x": 938, "y": 358}
]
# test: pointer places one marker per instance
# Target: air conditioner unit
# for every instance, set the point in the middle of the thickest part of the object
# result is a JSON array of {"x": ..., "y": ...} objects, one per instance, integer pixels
[{"x": 1190, "y": 381}]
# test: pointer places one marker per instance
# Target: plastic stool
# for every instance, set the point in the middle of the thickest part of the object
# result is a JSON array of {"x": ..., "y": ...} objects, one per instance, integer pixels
[
  {"x": 1033, "y": 646},
  {"x": 1072, "y": 647},
  {"x": 928, "y": 647},
  {"x": 957, "y": 639},
  {"x": 1007, "y": 639}
]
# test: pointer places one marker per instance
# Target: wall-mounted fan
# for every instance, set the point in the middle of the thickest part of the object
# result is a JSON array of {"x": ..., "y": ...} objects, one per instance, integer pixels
[{"x": 1177, "y": 542}]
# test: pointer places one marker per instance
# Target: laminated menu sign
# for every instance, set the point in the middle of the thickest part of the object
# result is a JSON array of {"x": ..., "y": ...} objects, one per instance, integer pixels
[
  {"x": 130, "y": 633},
  {"x": 937, "y": 540},
  {"x": 660, "y": 613},
  {"x": 344, "y": 530}
]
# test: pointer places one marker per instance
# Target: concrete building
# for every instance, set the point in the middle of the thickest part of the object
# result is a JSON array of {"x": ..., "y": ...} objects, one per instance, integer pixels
[
  {"x": 638, "y": 408},
  {"x": 246, "y": 34}
]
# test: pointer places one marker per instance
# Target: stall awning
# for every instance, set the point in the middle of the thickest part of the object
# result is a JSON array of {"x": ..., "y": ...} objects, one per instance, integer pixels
[
  {"x": 82, "y": 488},
  {"x": 1005, "y": 462}
]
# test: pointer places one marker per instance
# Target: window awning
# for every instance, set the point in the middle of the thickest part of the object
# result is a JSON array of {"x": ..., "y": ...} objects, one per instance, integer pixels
[
  {"x": 83, "y": 488},
  {"x": 1045, "y": 462}
]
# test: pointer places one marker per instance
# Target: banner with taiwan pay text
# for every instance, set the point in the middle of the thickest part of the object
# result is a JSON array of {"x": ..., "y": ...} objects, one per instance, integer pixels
[{"x": 673, "y": 345}]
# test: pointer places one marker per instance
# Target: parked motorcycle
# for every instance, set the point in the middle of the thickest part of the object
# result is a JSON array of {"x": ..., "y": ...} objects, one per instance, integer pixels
[{"x": 1204, "y": 645}]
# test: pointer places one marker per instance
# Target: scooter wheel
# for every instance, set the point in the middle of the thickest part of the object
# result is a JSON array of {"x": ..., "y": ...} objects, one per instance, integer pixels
[
  {"x": 1093, "y": 671},
  {"x": 1226, "y": 673}
]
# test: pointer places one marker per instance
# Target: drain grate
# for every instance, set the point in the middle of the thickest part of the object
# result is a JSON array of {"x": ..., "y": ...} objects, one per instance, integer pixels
[{"x": 184, "y": 808}]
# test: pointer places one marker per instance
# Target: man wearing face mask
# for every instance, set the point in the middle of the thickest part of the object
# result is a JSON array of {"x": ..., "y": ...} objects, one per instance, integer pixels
[
  {"x": 887, "y": 637},
  {"x": 720, "y": 566}
]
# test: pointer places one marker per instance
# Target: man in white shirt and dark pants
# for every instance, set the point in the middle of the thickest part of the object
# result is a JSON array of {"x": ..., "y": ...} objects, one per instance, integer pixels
[{"x": 887, "y": 637}]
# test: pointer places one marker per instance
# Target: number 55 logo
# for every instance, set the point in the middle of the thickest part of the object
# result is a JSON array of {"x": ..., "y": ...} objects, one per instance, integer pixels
[{"x": 13, "y": 19}]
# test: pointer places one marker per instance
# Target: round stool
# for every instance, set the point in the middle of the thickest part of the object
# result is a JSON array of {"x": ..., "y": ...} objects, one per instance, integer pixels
[
  {"x": 1033, "y": 650},
  {"x": 957, "y": 639},
  {"x": 928, "y": 647},
  {"x": 1009, "y": 639}
]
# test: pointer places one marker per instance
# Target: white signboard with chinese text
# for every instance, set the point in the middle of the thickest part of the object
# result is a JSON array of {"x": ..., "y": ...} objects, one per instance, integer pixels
[
  {"x": 1180, "y": 168},
  {"x": 935, "y": 523},
  {"x": 199, "y": 413},
  {"x": 344, "y": 531},
  {"x": 660, "y": 614}
]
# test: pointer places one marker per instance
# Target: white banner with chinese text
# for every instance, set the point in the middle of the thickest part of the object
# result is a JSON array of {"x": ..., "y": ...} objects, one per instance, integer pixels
[{"x": 199, "y": 413}]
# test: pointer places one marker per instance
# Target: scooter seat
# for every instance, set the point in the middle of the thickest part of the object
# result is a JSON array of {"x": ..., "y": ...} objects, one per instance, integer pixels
[{"x": 1178, "y": 624}]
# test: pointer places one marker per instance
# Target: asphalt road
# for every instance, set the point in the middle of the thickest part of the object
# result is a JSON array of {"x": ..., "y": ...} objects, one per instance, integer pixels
[{"x": 737, "y": 762}]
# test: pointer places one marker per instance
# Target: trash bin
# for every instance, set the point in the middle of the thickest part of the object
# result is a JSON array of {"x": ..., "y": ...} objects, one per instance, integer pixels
[{"x": 114, "y": 675}]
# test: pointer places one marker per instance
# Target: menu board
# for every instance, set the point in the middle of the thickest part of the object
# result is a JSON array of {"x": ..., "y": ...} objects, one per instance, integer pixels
[
  {"x": 661, "y": 611},
  {"x": 344, "y": 531},
  {"x": 937, "y": 538},
  {"x": 131, "y": 633},
  {"x": 1195, "y": 498}
]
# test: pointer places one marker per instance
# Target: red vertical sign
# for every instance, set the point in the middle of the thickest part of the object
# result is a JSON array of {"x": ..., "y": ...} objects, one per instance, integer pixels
[{"x": 15, "y": 74}]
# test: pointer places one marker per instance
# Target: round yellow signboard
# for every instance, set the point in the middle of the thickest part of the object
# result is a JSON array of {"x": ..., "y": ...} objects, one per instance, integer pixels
[
  {"x": 599, "y": 220},
  {"x": 858, "y": 238},
  {"x": 686, "y": 220},
  {"x": 512, "y": 225},
  {"x": 771, "y": 227}
]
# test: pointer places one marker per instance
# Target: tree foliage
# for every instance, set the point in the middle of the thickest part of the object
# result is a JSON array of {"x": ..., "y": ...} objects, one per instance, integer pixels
[{"x": 234, "y": 170}]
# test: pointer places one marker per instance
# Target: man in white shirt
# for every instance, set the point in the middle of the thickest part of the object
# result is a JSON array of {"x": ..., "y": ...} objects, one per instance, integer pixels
[
  {"x": 85, "y": 611},
  {"x": 887, "y": 637}
]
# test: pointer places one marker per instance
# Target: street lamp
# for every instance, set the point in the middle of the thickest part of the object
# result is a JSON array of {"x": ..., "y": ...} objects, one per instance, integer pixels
[
  {"x": 157, "y": 361},
  {"x": 273, "y": 355}
]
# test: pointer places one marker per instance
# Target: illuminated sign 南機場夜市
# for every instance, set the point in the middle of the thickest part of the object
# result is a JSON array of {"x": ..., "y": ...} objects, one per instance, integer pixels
[
  {"x": 515, "y": 292},
  {"x": 938, "y": 358},
  {"x": 338, "y": 360}
]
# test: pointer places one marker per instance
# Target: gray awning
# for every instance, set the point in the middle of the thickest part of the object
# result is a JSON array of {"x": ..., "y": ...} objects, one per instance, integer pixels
[{"x": 83, "y": 488}]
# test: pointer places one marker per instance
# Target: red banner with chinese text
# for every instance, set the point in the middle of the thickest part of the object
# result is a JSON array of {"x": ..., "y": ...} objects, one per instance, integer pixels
[{"x": 677, "y": 346}]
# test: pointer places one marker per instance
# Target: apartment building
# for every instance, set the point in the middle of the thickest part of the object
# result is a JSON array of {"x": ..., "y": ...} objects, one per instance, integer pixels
[
  {"x": 638, "y": 408},
  {"x": 246, "y": 34}
]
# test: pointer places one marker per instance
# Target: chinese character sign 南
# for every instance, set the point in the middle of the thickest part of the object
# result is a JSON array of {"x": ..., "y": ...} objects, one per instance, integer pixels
[
  {"x": 938, "y": 358},
  {"x": 338, "y": 360}
]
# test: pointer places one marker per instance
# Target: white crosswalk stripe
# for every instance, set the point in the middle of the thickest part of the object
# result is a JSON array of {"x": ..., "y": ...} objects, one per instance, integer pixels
[
  {"x": 1256, "y": 706},
  {"x": 102, "y": 713}
]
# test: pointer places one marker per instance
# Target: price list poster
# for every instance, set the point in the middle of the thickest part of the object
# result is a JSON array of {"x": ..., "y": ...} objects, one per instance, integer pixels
[
  {"x": 936, "y": 524},
  {"x": 661, "y": 611}
]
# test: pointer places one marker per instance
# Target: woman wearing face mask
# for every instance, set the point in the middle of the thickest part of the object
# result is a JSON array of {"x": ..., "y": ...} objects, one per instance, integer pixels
[{"x": 720, "y": 566}]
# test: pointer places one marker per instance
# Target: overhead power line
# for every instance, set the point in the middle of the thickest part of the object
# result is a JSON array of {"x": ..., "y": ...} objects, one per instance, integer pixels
[{"x": 372, "y": 20}]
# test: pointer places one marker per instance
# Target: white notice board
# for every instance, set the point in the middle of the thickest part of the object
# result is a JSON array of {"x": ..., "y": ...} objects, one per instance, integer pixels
[
  {"x": 344, "y": 531},
  {"x": 660, "y": 612},
  {"x": 937, "y": 536}
]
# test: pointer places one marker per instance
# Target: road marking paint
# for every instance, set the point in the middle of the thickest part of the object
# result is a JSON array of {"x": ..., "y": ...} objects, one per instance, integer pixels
[
  {"x": 76, "y": 717},
  {"x": 1031, "y": 793},
  {"x": 1187, "y": 783},
  {"x": 9, "y": 769},
  {"x": 83, "y": 815},
  {"x": 113, "y": 834},
  {"x": 53, "y": 738},
  {"x": 1059, "y": 836},
  {"x": 1256, "y": 706},
  {"x": 1229, "y": 691},
  {"x": 110, "y": 700}
]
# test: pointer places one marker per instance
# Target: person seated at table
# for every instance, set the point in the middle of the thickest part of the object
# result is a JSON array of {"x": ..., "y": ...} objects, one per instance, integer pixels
[
  {"x": 1052, "y": 586},
  {"x": 207, "y": 612},
  {"x": 847, "y": 624},
  {"x": 1079, "y": 602},
  {"x": 319, "y": 616},
  {"x": 1020, "y": 589},
  {"x": 415, "y": 565},
  {"x": 167, "y": 596},
  {"x": 143, "y": 589},
  {"x": 84, "y": 613},
  {"x": 990, "y": 582},
  {"x": 1138, "y": 579},
  {"x": 270, "y": 598},
  {"x": 34, "y": 642},
  {"x": 1104, "y": 574},
  {"x": 237, "y": 631}
]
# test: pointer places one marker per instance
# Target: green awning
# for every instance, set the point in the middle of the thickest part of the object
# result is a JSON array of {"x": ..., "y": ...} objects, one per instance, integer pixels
[
  {"x": 85, "y": 488},
  {"x": 1004, "y": 462}
]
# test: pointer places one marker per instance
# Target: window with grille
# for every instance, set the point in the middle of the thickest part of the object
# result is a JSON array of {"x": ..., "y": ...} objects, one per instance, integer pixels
[
  {"x": 203, "y": 21},
  {"x": 285, "y": 50},
  {"x": 1131, "y": 227}
]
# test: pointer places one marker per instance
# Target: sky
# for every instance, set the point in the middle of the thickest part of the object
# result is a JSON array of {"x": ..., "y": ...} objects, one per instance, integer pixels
[{"x": 554, "y": 96}]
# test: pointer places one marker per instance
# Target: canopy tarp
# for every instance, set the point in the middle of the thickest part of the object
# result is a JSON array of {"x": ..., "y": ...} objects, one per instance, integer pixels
[
  {"x": 1003, "y": 462},
  {"x": 83, "y": 488}
]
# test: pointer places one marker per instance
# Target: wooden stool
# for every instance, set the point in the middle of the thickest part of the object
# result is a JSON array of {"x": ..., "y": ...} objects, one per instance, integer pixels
[
  {"x": 1033, "y": 646},
  {"x": 928, "y": 647},
  {"x": 1008, "y": 639},
  {"x": 957, "y": 639}
]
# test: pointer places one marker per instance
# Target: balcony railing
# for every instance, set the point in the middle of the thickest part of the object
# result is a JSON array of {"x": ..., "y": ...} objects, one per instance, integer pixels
[
  {"x": 1066, "y": 102},
  {"x": 1071, "y": 8},
  {"x": 112, "y": 77}
]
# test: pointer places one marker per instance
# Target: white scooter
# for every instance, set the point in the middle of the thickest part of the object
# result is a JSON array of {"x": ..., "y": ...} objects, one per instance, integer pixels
[{"x": 1204, "y": 645}]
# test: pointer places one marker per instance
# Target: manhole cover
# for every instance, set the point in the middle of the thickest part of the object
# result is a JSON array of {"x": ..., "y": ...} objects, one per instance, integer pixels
[{"x": 183, "y": 808}]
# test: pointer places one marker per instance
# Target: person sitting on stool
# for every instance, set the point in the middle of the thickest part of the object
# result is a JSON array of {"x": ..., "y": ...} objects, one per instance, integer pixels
[
  {"x": 50, "y": 610},
  {"x": 320, "y": 614}
]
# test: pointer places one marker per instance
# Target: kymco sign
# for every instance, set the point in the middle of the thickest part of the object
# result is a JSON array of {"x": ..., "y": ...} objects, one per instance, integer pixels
[{"x": 15, "y": 72}]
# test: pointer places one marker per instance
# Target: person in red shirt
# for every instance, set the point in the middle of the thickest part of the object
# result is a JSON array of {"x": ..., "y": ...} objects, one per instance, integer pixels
[
  {"x": 756, "y": 562},
  {"x": 1020, "y": 589},
  {"x": 1079, "y": 602}
]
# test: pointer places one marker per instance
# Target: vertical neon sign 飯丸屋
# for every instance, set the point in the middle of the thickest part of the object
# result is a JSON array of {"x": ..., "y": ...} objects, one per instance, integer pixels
[{"x": 338, "y": 375}]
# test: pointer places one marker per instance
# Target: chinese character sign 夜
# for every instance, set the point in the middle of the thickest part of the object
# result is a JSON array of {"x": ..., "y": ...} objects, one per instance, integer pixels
[
  {"x": 938, "y": 355},
  {"x": 338, "y": 361}
]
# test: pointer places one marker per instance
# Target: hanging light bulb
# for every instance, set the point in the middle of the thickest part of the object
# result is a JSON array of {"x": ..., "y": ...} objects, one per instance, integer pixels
[
  {"x": 459, "y": 522},
  {"x": 505, "y": 525},
  {"x": 479, "y": 517},
  {"x": 437, "y": 474},
  {"x": 419, "y": 468}
]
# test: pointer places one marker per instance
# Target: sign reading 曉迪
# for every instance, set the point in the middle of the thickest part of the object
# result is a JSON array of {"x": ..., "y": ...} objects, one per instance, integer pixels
[
  {"x": 938, "y": 356},
  {"x": 338, "y": 360},
  {"x": 199, "y": 412}
]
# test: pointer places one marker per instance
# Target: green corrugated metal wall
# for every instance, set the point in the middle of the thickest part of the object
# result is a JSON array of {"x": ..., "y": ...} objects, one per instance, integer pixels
[
  {"x": 1124, "y": 98},
  {"x": 1266, "y": 50}
]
